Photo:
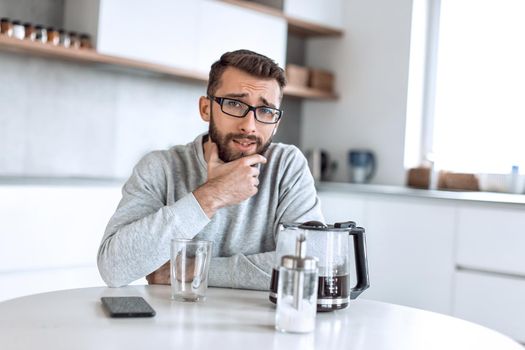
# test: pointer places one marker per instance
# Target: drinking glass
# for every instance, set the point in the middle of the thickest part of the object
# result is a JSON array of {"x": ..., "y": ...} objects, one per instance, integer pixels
[{"x": 190, "y": 262}]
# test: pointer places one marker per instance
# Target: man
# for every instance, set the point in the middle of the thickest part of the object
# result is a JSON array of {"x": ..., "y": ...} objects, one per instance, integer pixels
[{"x": 232, "y": 186}]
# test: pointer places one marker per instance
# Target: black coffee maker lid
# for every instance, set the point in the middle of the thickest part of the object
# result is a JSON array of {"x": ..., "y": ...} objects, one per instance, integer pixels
[{"x": 319, "y": 226}]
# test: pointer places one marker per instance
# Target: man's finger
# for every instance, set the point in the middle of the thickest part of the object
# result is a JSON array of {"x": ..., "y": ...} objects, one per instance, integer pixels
[
  {"x": 212, "y": 152},
  {"x": 254, "y": 159}
]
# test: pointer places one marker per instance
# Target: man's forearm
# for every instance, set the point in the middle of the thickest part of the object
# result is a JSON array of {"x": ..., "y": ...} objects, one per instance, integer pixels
[
  {"x": 242, "y": 271},
  {"x": 208, "y": 198},
  {"x": 131, "y": 251}
]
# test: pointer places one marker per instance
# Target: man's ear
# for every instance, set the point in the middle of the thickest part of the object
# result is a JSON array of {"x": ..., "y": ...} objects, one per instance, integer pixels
[{"x": 204, "y": 108}]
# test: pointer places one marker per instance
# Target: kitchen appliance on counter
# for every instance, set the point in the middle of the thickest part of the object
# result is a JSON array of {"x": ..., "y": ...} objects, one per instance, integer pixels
[
  {"x": 362, "y": 165},
  {"x": 330, "y": 244},
  {"x": 320, "y": 164}
]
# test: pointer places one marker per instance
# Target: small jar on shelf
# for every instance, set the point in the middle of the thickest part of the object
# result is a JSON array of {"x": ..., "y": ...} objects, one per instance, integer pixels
[
  {"x": 85, "y": 41},
  {"x": 53, "y": 37},
  {"x": 40, "y": 34},
  {"x": 6, "y": 27},
  {"x": 30, "y": 33},
  {"x": 18, "y": 30},
  {"x": 74, "y": 40},
  {"x": 65, "y": 40}
]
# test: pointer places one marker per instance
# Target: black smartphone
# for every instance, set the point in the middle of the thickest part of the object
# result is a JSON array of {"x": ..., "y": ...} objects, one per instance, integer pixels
[{"x": 127, "y": 307}]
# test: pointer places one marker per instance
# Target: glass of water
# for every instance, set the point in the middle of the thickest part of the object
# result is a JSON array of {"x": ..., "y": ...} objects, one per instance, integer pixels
[{"x": 190, "y": 262}]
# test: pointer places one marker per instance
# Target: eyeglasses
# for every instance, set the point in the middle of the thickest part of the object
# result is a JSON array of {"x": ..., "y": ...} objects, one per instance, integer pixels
[{"x": 239, "y": 109}]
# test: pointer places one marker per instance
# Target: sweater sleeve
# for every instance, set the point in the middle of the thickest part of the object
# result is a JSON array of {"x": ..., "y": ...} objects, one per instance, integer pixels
[
  {"x": 242, "y": 271},
  {"x": 298, "y": 202},
  {"x": 137, "y": 238}
]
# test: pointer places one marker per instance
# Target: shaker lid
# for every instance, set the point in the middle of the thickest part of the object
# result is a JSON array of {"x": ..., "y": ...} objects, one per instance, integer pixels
[
  {"x": 299, "y": 260},
  {"x": 294, "y": 262}
]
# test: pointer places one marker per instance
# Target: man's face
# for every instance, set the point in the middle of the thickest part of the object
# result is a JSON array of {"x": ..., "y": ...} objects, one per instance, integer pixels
[{"x": 239, "y": 137}]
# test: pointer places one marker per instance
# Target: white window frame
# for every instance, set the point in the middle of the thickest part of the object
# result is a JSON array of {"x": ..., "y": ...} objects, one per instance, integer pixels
[{"x": 422, "y": 82}]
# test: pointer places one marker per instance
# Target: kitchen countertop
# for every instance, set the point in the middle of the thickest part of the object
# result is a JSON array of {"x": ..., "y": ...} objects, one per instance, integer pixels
[
  {"x": 59, "y": 181},
  {"x": 340, "y": 187},
  {"x": 487, "y": 197}
]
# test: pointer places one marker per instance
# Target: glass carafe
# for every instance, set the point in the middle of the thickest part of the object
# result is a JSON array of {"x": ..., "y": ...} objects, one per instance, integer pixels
[{"x": 330, "y": 244}]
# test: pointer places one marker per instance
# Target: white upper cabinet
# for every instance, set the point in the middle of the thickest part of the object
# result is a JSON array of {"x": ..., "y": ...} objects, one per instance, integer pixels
[
  {"x": 224, "y": 27},
  {"x": 189, "y": 34},
  {"x": 157, "y": 31},
  {"x": 326, "y": 12}
]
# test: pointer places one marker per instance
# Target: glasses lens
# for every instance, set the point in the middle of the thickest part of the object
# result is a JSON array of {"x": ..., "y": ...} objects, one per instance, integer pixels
[
  {"x": 267, "y": 114},
  {"x": 234, "y": 107}
]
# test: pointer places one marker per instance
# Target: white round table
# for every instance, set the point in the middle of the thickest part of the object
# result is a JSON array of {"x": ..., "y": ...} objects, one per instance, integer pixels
[{"x": 228, "y": 319}]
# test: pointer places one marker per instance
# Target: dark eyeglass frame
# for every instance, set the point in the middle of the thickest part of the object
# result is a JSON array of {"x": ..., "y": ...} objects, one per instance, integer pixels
[{"x": 220, "y": 101}]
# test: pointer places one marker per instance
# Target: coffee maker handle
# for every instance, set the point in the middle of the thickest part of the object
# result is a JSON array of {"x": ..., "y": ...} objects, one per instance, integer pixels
[{"x": 361, "y": 262}]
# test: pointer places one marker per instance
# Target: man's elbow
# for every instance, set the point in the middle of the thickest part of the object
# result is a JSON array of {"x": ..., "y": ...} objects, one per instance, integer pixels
[{"x": 110, "y": 275}]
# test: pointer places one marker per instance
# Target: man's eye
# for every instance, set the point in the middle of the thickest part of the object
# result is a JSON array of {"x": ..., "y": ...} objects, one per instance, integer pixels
[
  {"x": 267, "y": 111},
  {"x": 233, "y": 103}
]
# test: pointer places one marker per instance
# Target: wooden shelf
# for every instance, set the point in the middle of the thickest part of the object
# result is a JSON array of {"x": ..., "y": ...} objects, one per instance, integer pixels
[
  {"x": 305, "y": 92},
  {"x": 92, "y": 57},
  {"x": 295, "y": 25}
]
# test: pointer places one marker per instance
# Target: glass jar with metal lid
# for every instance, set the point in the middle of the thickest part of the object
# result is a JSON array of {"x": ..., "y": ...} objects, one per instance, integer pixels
[{"x": 297, "y": 291}]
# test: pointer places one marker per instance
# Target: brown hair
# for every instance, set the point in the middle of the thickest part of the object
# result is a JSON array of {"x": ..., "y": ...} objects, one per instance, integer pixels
[{"x": 248, "y": 61}]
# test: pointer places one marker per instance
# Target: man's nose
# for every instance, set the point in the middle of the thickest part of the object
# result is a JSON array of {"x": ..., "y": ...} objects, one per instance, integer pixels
[{"x": 248, "y": 123}]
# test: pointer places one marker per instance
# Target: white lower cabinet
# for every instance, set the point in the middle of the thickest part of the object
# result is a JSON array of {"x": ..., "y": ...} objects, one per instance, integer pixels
[
  {"x": 410, "y": 252},
  {"x": 18, "y": 283},
  {"x": 497, "y": 302},
  {"x": 492, "y": 239},
  {"x": 465, "y": 259},
  {"x": 410, "y": 246},
  {"x": 339, "y": 207},
  {"x": 49, "y": 236}
]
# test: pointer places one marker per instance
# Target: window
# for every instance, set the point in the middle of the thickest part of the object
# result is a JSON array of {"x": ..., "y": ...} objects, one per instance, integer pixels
[{"x": 473, "y": 104}]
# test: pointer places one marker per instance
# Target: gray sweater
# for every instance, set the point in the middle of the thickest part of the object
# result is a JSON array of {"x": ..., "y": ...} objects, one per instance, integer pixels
[{"x": 158, "y": 205}]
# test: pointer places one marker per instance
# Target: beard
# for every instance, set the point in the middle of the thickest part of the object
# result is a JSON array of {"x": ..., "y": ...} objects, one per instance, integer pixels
[{"x": 226, "y": 154}]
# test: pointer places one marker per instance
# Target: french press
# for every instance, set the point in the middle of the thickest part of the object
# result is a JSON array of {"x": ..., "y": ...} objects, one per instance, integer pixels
[{"x": 330, "y": 244}]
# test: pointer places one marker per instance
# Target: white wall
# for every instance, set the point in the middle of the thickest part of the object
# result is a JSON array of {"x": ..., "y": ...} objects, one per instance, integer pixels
[
  {"x": 66, "y": 119},
  {"x": 371, "y": 66}
]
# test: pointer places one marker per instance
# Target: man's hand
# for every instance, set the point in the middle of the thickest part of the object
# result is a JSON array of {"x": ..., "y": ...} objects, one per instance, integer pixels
[
  {"x": 228, "y": 183},
  {"x": 160, "y": 276},
  {"x": 163, "y": 274}
]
